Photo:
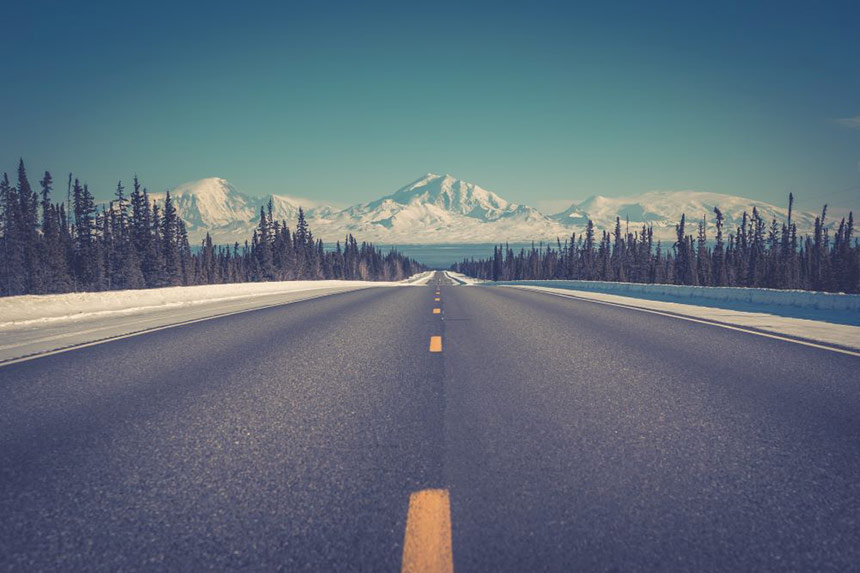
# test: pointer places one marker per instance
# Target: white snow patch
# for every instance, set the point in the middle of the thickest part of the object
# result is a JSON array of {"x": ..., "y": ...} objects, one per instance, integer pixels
[
  {"x": 29, "y": 309},
  {"x": 35, "y": 324},
  {"x": 460, "y": 278},
  {"x": 420, "y": 279},
  {"x": 825, "y": 301}
]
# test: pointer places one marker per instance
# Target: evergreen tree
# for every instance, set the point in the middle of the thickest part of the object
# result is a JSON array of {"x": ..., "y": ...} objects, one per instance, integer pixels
[
  {"x": 87, "y": 266},
  {"x": 263, "y": 246},
  {"x": 683, "y": 259},
  {"x": 720, "y": 278},
  {"x": 28, "y": 239},
  {"x": 703, "y": 258},
  {"x": 170, "y": 243},
  {"x": 14, "y": 265}
]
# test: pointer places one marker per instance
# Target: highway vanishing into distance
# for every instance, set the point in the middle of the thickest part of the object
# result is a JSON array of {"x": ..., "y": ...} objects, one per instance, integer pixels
[{"x": 509, "y": 431}]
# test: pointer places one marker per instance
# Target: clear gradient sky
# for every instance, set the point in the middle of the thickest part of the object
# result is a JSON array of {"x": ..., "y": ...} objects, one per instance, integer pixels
[{"x": 542, "y": 102}]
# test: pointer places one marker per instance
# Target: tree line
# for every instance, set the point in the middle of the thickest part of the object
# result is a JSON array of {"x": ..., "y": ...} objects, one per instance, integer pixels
[
  {"x": 755, "y": 254},
  {"x": 133, "y": 242}
]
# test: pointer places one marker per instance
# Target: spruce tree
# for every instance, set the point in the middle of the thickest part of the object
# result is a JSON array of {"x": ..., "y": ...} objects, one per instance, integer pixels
[
  {"x": 14, "y": 266},
  {"x": 28, "y": 239},
  {"x": 170, "y": 243}
]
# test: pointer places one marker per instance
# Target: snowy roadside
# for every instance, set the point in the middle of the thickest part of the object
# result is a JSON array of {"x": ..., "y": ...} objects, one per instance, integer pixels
[
  {"x": 35, "y": 324},
  {"x": 461, "y": 279},
  {"x": 420, "y": 279},
  {"x": 29, "y": 309},
  {"x": 827, "y": 306},
  {"x": 840, "y": 335}
]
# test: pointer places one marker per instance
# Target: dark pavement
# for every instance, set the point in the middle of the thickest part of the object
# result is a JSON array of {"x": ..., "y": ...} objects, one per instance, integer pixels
[{"x": 571, "y": 435}]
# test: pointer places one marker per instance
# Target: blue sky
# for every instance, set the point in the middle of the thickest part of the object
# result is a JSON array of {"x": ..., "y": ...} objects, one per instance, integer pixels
[{"x": 541, "y": 102}]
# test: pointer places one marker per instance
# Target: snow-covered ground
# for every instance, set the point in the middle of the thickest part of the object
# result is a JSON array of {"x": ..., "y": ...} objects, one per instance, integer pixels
[
  {"x": 460, "y": 278},
  {"x": 35, "y": 324},
  {"x": 829, "y": 333},
  {"x": 832, "y": 307},
  {"x": 33, "y": 309},
  {"x": 420, "y": 279}
]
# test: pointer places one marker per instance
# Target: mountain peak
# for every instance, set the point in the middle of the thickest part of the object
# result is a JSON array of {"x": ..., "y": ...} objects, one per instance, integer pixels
[
  {"x": 445, "y": 209},
  {"x": 430, "y": 176},
  {"x": 206, "y": 186}
]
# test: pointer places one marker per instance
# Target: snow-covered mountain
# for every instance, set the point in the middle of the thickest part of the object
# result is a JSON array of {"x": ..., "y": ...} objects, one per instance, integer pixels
[
  {"x": 439, "y": 209},
  {"x": 663, "y": 209},
  {"x": 443, "y": 209},
  {"x": 215, "y": 206}
]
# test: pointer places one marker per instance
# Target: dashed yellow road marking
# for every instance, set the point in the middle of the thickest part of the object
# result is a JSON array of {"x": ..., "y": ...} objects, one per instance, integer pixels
[
  {"x": 435, "y": 344},
  {"x": 427, "y": 541},
  {"x": 437, "y": 311}
]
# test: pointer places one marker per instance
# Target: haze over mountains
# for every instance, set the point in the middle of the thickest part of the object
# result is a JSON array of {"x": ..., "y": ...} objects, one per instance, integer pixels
[{"x": 437, "y": 209}]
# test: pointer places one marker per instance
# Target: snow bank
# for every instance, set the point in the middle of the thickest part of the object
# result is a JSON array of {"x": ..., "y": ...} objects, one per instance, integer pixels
[
  {"x": 843, "y": 335},
  {"x": 460, "y": 278},
  {"x": 420, "y": 279},
  {"x": 757, "y": 296},
  {"x": 34, "y": 309}
]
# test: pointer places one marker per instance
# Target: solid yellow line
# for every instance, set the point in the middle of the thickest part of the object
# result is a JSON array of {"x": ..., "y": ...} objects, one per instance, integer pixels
[
  {"x": 437, "y": 311},
  {"x": 427, "y": 541},
  {"x": 435, "y": 344}
]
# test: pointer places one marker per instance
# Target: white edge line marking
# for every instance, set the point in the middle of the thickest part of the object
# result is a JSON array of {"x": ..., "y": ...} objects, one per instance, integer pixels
[
  {"x": 36, "y": 355},
  {"x": 692, "y": 319}
]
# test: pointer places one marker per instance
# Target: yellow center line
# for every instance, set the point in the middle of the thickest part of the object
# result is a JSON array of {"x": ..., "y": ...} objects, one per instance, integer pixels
[
  {"x": 437, "y": 311},
  {"x": 435, "y": 344},
  {"x": 427, "y": 541}
]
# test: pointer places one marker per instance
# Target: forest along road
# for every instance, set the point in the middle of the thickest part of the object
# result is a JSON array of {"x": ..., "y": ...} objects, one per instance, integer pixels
[{"x": 542, "y": 433}]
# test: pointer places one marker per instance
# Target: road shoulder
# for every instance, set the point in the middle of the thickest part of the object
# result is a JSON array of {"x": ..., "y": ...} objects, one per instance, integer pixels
[{"x": 837, "y": 336}]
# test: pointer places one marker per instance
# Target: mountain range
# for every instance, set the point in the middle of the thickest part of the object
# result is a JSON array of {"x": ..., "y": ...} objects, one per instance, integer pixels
[{"x": 438, "y": 209}]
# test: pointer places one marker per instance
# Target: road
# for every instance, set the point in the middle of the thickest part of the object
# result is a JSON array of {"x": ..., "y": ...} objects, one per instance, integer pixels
[{"x": 564, "y": 435}]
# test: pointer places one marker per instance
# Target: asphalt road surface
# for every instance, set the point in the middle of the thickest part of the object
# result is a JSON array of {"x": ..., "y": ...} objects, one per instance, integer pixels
[{"x": 564, "y": 434}]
